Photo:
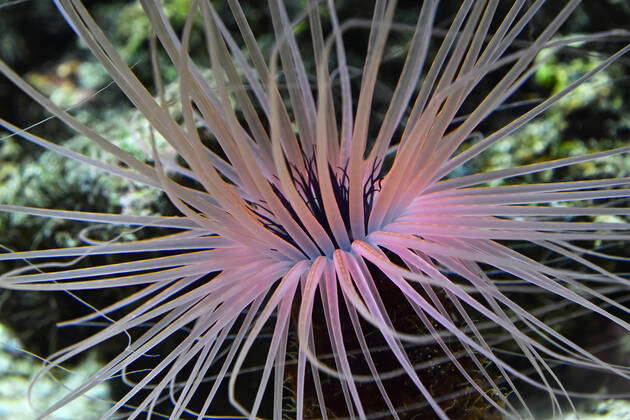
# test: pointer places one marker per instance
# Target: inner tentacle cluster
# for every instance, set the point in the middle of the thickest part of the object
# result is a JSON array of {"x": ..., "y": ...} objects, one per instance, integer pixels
[{"x": 307, "y": 184}]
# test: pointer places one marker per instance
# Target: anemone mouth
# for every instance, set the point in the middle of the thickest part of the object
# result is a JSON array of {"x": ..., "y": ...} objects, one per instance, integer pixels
[{"x": 308, "y": 187}]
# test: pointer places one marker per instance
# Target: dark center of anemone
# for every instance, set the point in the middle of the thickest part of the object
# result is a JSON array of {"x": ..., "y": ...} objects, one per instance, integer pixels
[{"x": 308, "y": 186}]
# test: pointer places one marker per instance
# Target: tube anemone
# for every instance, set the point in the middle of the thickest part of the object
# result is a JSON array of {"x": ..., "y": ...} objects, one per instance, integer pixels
[{"x": 346, "y": 256}]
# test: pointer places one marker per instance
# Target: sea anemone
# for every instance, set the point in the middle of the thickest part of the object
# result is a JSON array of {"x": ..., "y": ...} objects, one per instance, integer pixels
[{"x": 353, "y": 257}]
